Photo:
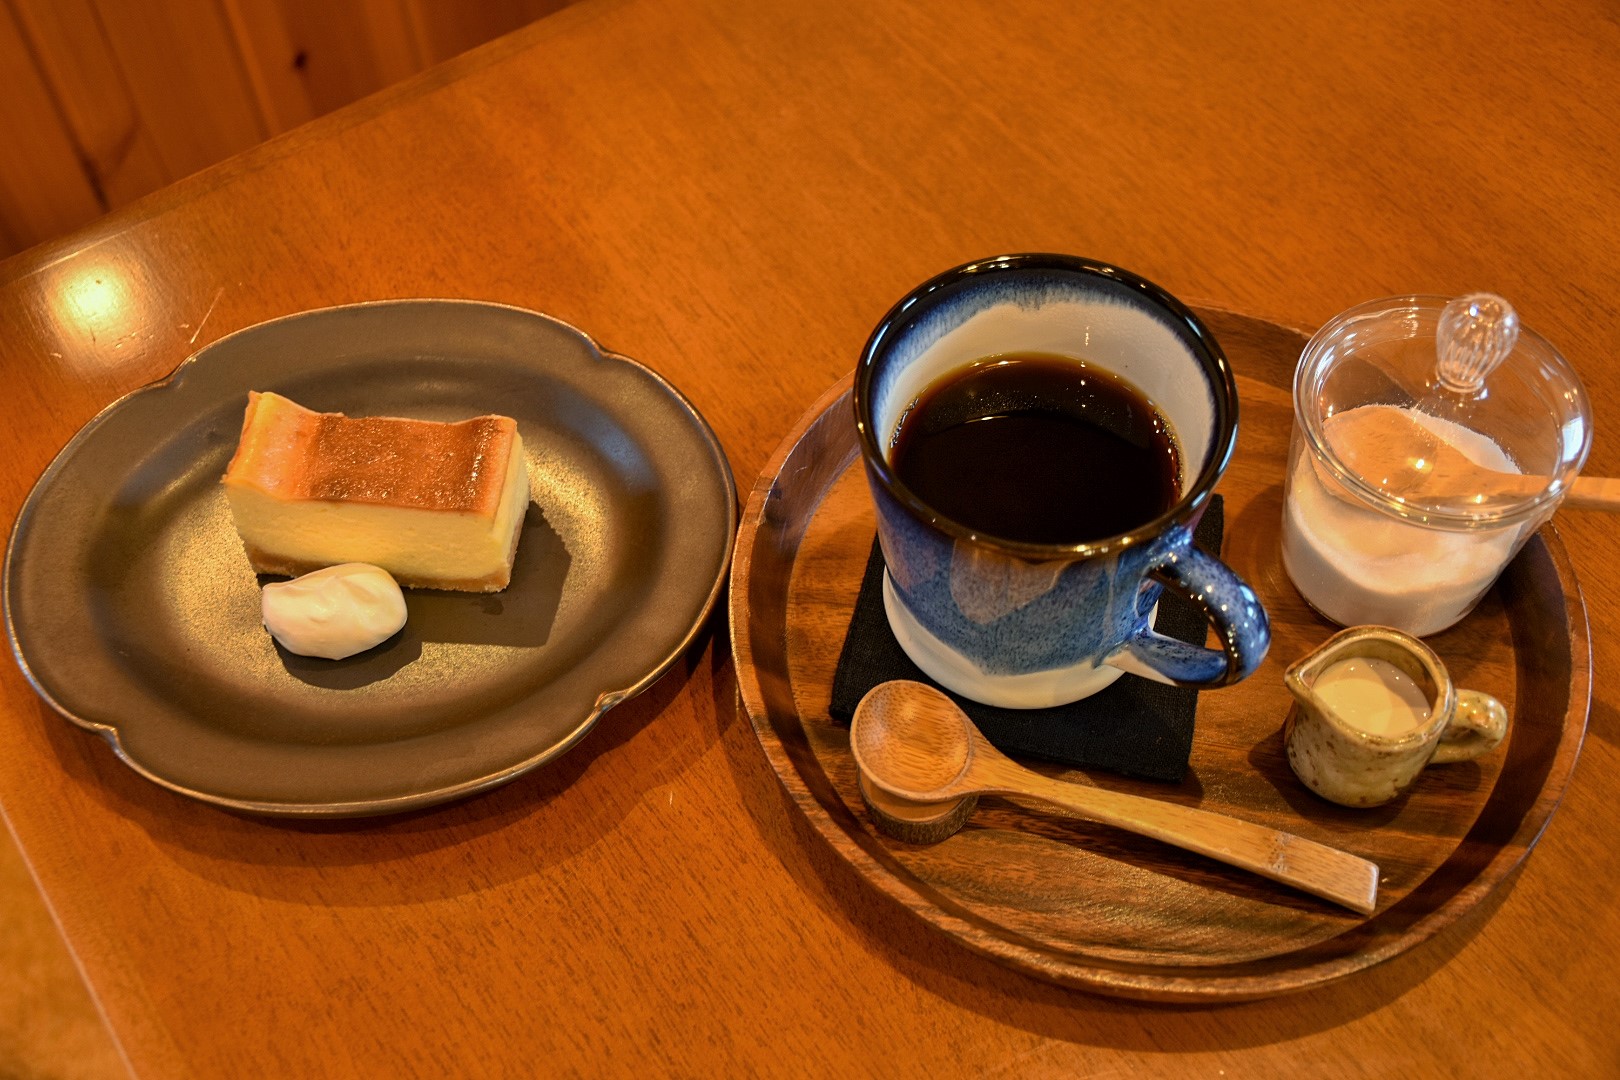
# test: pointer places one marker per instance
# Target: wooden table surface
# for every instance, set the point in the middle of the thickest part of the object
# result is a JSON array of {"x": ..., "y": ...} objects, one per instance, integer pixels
[{"x": 733, "y": 194}]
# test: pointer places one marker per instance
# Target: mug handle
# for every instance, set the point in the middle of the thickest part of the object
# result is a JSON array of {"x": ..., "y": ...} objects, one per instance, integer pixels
[
  {"x": 1478, "y": 725},
  {"x": 1229, "y": 604}
]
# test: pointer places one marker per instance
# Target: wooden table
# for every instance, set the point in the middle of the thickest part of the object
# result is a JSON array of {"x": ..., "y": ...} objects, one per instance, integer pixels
[{"x": 734, "y": 193}]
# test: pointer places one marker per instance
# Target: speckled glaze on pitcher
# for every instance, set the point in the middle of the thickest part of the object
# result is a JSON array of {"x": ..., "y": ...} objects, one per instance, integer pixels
[{"x": 1354, "y": 767}]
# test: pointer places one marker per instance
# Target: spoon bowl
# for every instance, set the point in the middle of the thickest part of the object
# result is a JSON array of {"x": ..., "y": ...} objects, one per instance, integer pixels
[
  {"x": 918, "y": 756},
  {"x": 1386, "y": 445}
]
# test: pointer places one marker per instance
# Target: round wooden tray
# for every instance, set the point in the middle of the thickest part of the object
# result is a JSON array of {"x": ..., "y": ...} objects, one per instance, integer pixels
[{"x": 1091, "y": 907}]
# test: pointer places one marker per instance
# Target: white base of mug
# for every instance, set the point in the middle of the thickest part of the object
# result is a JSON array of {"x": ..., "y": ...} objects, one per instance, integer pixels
[{"x": 953, "y": 671}]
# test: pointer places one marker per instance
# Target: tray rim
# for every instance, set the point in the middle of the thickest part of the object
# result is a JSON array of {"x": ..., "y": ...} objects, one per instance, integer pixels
[
  {"x": 850, "y": 840},
  {"x": 606, "y": 700}
]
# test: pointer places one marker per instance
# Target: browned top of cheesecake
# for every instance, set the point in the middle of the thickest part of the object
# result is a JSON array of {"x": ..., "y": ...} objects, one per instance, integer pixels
[{"x": 293, "y": 453}]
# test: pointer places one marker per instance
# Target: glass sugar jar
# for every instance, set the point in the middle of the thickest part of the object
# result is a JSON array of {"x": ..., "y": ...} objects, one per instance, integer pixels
[{"x": 1431, "y": 439}]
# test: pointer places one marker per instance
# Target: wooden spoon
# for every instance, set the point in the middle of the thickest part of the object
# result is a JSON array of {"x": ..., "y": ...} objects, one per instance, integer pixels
[
  {"x": 913, "y": 744},
  {"x": 1388, "y": 447}
]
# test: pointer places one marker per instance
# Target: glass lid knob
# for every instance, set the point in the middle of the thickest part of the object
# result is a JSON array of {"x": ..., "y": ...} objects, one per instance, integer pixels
[{"x": 1476, "y": 333}]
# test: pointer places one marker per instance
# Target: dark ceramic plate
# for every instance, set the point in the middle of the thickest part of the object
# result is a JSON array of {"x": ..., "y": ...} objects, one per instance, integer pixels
[{"x": 132, "y": 609}]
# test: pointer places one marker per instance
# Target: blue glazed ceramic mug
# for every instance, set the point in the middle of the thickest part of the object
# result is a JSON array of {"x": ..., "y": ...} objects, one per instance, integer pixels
[{"x": 1029, "y": 625}]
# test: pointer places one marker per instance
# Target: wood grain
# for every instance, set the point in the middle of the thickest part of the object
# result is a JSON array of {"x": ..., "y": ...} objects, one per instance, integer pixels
[
  {"x": 1066, "y": 901},
  {"x": 734, "y": 194},
  {"x": 42, "y": 190},
  {"x": 119, "y": 159},
  {"x": 112, "y": 100},
  {"x": 49, "y": 1027},
  {"x": 444, "y": 30},
  {"x": 893, "y": 739},
  {"x": 204, "y": 80}
]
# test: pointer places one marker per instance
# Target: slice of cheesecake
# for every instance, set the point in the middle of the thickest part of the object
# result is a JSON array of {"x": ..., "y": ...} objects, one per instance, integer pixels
[{"x": 439, "y": 506}]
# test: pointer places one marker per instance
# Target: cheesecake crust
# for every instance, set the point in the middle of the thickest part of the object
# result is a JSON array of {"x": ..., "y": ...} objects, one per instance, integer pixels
[{"x": 280, "y": 566}]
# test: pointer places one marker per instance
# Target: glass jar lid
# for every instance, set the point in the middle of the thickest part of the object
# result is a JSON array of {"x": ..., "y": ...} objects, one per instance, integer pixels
[{"x": 1444, "y": 412}]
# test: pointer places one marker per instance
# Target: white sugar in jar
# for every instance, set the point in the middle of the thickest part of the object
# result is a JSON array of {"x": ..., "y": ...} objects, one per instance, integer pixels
[
  {"x": 1431, "y": 439},
  {"x": 1358, "y": 565}
]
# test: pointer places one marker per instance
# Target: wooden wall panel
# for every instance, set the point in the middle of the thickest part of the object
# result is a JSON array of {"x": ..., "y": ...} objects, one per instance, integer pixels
[
  {"x": 43, "y": 188},
  {"x": 272, "y": 62},
  {"x": 67, "y": 40},
  {"x": 447, "y": 28},
  {"x": 398, "y": 49},
  {"x": 340, "y": 52},
  {"x": 186, "y": 77},
  {"x": 111, "y": 99}
]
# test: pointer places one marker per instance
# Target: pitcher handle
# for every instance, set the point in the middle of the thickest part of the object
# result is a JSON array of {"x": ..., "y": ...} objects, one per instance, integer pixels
[{"x": 1478, "y": 725}]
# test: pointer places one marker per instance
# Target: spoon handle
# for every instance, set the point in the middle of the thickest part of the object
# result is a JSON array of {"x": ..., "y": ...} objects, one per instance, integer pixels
[
  {"x": 1293, "y": 860},
  {"x": 1594, "y": 493}
]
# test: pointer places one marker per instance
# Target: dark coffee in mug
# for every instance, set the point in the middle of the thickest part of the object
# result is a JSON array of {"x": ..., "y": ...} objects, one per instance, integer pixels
[
  {"x": 971, "y": 601},
  {"x": 1038, "y": 448}
]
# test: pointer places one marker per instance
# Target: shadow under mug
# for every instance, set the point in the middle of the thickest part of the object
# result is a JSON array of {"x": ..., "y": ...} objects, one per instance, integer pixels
[{"x": 1025, "y": 625}]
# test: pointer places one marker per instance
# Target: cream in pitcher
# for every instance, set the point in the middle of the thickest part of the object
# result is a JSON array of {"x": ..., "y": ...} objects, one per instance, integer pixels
[{"x": 1372, "y": 708}]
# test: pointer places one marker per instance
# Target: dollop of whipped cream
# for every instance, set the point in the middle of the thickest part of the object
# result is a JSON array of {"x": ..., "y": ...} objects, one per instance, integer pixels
[{"x": 335, "y": 612}]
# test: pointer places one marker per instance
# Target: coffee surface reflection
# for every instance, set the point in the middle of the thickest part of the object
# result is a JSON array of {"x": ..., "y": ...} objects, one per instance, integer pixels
[{"x": 1038, "y": 448}]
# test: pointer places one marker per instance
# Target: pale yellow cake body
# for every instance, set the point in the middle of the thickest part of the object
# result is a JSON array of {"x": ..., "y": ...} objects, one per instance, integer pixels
[{"x": 436, "y": 505}]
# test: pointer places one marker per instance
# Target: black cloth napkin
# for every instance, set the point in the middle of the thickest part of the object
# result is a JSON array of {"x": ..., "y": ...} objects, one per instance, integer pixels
[{"x": 1136, "y": 726}]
